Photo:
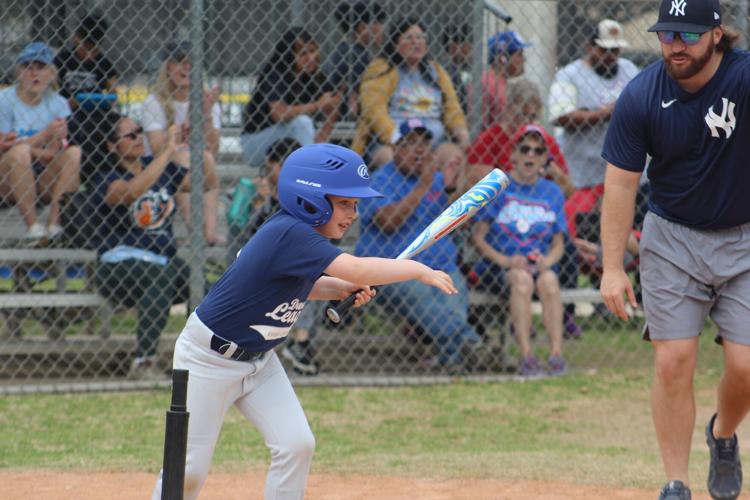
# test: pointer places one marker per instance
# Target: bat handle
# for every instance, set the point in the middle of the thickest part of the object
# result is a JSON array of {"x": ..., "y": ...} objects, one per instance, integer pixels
[{"x": 336, "y": 313}]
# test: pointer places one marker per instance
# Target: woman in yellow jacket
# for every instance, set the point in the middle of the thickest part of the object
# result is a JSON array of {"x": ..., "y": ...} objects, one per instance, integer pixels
[{"x": 401, "y": 84}]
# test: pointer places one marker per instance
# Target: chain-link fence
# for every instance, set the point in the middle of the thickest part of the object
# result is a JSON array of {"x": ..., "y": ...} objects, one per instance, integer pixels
[{"x": 141, "y": 143}]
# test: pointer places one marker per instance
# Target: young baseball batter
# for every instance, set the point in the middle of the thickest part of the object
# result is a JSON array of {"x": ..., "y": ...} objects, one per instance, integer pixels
[{"x": 227, "y": 343}]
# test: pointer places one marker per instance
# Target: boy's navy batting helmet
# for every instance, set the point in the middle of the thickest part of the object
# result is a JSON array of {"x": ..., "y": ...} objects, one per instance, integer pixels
[{"x": 312, "y": 172}]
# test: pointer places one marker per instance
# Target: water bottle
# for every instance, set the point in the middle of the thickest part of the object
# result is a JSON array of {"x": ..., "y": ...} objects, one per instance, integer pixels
[{"x": 239, "y": 211}]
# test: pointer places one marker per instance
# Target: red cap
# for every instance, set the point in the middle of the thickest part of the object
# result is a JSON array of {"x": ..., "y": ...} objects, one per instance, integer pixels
[{"x": 529, "y": 128}]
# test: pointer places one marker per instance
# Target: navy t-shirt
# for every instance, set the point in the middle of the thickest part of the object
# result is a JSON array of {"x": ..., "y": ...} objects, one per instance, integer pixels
[
  {"x": 285, "y": 87},
  {"x": 699, "y": 143},
  {"x": 147, "y": 222},
  {"x": 262, "y": 293}
]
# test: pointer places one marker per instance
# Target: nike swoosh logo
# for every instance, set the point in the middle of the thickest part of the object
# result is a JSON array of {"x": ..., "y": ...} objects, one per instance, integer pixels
[{"x": 667, "y": 104}]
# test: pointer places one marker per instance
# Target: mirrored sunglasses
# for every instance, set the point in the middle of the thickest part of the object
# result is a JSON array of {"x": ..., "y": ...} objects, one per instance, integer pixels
[{"x": 668, "y": 37}]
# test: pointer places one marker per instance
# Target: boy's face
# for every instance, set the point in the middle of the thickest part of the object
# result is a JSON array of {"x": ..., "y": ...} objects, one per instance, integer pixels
[{"x": 344, "y": 213}]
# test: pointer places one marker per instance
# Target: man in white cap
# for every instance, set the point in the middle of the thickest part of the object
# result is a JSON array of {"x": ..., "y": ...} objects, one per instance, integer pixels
[{"x": 581, "y": 101}]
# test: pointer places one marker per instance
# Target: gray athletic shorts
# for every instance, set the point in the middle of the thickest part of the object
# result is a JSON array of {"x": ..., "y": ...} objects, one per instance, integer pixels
[{"x": 688, "y": 274}]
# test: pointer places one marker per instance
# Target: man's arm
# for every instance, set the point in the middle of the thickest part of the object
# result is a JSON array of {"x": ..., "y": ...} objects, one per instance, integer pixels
[
  {"x": 580, "y": 118},
  {"x": 620, "y": 188}
]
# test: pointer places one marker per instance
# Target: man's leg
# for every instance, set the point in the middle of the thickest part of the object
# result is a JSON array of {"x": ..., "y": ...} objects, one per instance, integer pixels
[
  {"x": 673, "y": 403},
  {"x": 734, "y": 389}
]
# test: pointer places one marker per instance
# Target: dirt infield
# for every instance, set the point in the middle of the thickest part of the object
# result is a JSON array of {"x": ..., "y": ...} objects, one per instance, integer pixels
[{"x": 123, "y": 485}]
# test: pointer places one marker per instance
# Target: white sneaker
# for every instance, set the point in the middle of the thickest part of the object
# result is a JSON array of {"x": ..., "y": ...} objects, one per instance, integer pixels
[
  {"x": 35, "y": 232},
  {"x": 54, "y": 230}
]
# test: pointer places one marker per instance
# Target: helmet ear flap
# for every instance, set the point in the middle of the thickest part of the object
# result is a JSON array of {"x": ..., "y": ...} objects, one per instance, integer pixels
[{"x": 319, "y": 211}]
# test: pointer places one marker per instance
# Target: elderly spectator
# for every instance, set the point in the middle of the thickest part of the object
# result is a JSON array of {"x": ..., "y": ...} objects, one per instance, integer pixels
[
  {"x": 405, "y": 83},
  {"x": 292, "y": 91},
  {"x": 520, "y": 239},
  {"x": 506, "y": 59},
  {"x": 40, "y": 164},
  {"x": 138, "y": 263},
  {"x": 168, "y": 105},
  {"x": 414, "y": 195},
  {"x": 86, "y": 73},
  {"x": 362, "y": 25},
  {"x": 493, "y": 146},
  {"x": 581, "y": 101}
]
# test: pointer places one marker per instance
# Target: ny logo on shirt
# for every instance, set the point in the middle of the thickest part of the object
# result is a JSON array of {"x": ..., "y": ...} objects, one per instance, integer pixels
[
  {"x": 678, "y": 8},
  {"x": 725, "y": 120}
]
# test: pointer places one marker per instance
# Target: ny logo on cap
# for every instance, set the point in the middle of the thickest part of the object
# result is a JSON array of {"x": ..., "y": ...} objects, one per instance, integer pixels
[{"x": 678, "y": 8}]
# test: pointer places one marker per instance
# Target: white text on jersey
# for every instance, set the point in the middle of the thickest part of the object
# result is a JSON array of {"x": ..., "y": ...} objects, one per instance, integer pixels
[{"x": 287, "y": 312}]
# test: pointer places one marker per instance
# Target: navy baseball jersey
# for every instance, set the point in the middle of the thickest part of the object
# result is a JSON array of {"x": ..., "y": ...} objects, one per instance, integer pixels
[
  {"x": 261, "y": 295},
  {"x": 698, "y": 142}
]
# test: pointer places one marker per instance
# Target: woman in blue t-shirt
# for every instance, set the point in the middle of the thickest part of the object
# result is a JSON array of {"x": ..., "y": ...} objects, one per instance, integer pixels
[
  {"x": 521, "y": 241},
  {"x": 138, "y": 265},
  {"x": 40, "y": 165}
]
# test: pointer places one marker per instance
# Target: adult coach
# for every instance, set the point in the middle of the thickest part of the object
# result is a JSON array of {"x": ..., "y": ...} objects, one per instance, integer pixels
[{"x": 689, "y": 113}]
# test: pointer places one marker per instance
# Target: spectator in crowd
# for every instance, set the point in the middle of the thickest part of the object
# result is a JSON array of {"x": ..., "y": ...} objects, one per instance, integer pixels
[
  {"x": 298, "y": 351},
  {"x": 493, "y": 146},
  {"x": 457, "y": 45},
  {"x": 138, "y": 263},
  {"x": 85, "y": 72},
  {"x": 40, "y": 165},
  {"x": 362, "y": 25},
  {"x": 414, "y": 195},
  {"x": 168, "y": 105},
  {"x": 506, "y": 59},
  {"x": 520, "y": 238},
  {"x": 581, "y": 101},
  {"x": 291, "y": 93},
  {"x": 405, "y": 83}
]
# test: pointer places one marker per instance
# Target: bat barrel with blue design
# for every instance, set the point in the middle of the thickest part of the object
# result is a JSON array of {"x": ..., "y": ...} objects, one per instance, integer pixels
[{"x": 452, "y": 217}]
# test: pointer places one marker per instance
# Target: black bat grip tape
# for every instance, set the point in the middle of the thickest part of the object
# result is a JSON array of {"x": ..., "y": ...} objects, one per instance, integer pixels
[{"x": 336, "y": 313}]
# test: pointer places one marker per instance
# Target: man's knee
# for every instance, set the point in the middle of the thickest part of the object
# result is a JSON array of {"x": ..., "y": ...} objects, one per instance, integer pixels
[{"x": 675, "y": 361}]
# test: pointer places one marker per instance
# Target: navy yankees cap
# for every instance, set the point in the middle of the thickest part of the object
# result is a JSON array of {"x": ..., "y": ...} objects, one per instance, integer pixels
[{"x": 688, "y": 16}]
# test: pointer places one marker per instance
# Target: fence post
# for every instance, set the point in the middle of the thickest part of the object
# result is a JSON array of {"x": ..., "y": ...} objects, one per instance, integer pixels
[
  {"x": 197, "y": 146},
  {"x": 477, "y": 65}
]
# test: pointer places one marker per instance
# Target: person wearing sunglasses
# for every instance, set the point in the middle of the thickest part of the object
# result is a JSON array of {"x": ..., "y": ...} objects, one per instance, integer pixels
[
  {"x": 138, "y": 264},
  {"x": 690, "y": 113},
  {"x": 520, "y": 237}
]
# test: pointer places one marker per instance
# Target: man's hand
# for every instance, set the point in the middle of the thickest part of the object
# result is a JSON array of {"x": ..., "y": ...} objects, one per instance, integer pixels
[
  {"x": 615, "y": 284},
  {"x": 329, "y": 102}
]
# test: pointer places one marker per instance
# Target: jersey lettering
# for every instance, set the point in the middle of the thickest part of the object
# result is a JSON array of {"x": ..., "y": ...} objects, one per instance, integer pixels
[
  {"x": 287, "y": 312},
  {"x": 725, "y": 120}
]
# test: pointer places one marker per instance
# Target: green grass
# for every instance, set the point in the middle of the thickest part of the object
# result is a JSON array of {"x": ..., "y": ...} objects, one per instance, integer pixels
[{"x": 590, "y": 428}]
